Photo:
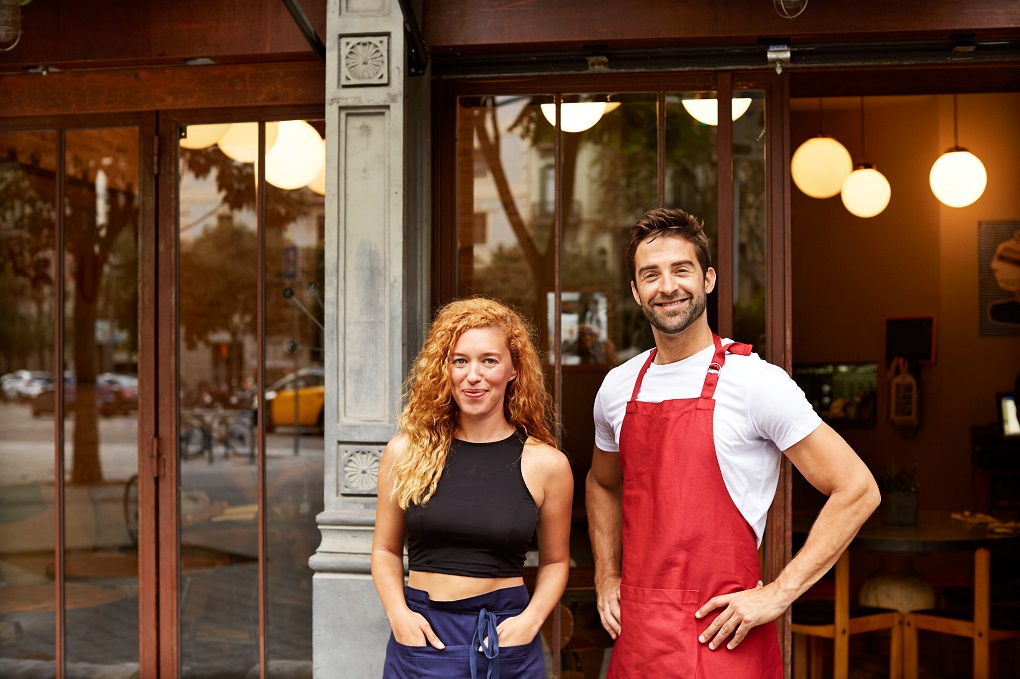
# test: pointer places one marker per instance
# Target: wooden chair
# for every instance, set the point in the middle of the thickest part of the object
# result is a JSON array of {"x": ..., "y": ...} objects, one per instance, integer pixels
[
  {"x": 567, "y": 649},
  {"x": 835, "y": 619},
  {"x": 983, "y": 624}
]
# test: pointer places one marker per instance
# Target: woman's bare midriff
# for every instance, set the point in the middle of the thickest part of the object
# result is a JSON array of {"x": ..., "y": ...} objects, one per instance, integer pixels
[{"x": 445, "y": 587}]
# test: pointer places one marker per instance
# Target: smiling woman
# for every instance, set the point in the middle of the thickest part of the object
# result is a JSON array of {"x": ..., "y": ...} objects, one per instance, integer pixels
[{"x": 468, "y": 481}]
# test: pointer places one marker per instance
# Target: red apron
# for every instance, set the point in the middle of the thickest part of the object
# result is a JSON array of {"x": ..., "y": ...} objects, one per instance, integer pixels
[{"x": 684, "y": 541}]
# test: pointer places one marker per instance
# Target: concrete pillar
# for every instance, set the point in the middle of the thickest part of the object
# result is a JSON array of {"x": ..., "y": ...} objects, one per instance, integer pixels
[{"x": 377, "y": 243}]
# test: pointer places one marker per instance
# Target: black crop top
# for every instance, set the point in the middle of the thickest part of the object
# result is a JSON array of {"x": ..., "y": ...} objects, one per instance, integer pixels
[{"x": 480, "y": 520}]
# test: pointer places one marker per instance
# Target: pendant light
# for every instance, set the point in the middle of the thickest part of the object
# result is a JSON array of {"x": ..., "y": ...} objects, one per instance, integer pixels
[
  {"x": 240, "y": 142},
  {"x": 706, "y": 111},
  {"x": 203, "y": 136},
  {"x": 957, "y": 178},
  {"x": 866, "y": 191},
  {"x": 578, "y": 116},
  {"x": 821, "y": 164},
  {"x": 296, "y": 157}
]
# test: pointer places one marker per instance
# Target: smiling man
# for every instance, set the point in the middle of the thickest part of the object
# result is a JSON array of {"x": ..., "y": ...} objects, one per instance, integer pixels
[{"x": 688, "y": 443}]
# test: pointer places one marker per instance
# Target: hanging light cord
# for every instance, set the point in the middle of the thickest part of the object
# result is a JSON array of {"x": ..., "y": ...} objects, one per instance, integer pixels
[
  {"x": 956, "y": 140},
  {"x": 864, "y": 152}
]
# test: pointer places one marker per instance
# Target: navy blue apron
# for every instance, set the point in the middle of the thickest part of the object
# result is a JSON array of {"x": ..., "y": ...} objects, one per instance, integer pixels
[{"x": 462, "y": 625}]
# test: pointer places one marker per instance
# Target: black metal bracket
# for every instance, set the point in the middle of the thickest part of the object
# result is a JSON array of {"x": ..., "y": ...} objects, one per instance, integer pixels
[
  {"x": 305, "y": 26},
  {"x": 417, "y": 52}
]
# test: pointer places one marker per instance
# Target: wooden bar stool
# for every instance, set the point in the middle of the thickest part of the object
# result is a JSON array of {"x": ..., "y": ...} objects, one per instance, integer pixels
[
  {"x": 835, "y": 619},
  {"x": 982, "y": 624}
]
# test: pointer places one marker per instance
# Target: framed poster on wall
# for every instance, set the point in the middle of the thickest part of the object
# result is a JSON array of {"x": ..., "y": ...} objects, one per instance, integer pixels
[{"x": 999, "y": 278}]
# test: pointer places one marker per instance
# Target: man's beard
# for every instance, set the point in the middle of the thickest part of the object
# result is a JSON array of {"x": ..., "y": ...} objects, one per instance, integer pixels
[{"x": 674, "y": 325}]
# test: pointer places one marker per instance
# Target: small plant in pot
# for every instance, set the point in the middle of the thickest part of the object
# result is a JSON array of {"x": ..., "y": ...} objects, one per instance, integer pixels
[{"x": 899, "y": 495}]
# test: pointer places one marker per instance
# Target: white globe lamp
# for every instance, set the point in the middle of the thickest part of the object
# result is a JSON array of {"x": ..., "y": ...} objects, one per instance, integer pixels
[
  {"x": 706, "y": 111},
  {"x": 240, "y": 142},
  {"x": 866, "y": 192},
  {"x": 578, "y": 116},
  {"x": 820, "y": 166},
  {"x": 958, "y": 178},
  {"x": 318, "y": 184},
  {"x": 203, "y": 136},
  {"x": 296, "y": 156}
]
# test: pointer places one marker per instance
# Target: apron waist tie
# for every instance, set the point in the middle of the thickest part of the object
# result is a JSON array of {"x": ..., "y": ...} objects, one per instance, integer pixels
[{"x": 486, "y": 628}]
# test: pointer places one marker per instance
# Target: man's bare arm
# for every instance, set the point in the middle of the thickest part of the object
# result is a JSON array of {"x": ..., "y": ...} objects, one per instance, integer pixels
[
  {"x": 604, "y": 502},
  {"x": 831, "y": 466}
]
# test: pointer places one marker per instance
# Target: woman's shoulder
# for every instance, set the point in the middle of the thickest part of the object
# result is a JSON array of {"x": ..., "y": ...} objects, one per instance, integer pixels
[
  {"x": 397, "y": 446},
  {"x": 547, "y": 457}
]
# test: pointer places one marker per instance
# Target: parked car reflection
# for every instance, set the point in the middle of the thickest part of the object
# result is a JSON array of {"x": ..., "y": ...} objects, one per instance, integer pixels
[
  {"x": 307, "y": 389},
  {"x": 23, "y": 384},
  {"x": 116, "y": 394}
]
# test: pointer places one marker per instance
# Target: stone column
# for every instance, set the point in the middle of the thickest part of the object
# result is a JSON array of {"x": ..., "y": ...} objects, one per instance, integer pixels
[{"x": 377, "y": 233}]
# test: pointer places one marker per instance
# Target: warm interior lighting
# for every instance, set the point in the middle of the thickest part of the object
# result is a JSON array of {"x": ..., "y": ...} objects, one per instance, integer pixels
[
  {"x": 958, "y": 177},
  {"x": 820, "y": 166},
  {"x": 706, "y": 111},
  {"x": 579, "y": 116},
  {"x": 296, "y": 156},
  {"x": 866, "y": 192},
  {"x": 241, "y": 141},
  {"x": 318, "y": 184},
  {"x": 203, "y": 136}
]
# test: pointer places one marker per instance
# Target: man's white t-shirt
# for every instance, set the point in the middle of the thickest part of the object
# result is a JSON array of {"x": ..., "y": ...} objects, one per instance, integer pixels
[{"x": 759, "y": 412}]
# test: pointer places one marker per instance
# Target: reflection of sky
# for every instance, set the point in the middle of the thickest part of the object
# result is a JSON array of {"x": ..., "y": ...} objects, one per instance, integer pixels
[
  {"x": 513, "y": 154},
  {"x": 201, "y": 203}
]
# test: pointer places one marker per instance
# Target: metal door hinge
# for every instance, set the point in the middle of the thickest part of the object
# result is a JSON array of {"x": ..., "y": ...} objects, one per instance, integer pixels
[{"x": 157, "y": 461}]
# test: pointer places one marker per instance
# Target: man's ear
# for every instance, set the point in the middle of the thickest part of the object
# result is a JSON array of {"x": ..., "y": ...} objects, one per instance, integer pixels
[
  {"x": 709, "y": 280},
  {"x": 634, "y": 292}
]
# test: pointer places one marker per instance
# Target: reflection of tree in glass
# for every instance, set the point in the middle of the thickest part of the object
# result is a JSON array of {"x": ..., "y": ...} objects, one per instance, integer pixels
[
  {"x": 91, "y": 246},
  {"x": 27, "y": 218},
  {"x": 218, "y": 267},
  {"x": 620, "y": 166}
]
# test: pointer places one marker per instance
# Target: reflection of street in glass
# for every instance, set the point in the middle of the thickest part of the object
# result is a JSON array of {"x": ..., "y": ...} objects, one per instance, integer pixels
[
  {"x": 218, "y": 536},
  {"x": 1006, "y": 269}
]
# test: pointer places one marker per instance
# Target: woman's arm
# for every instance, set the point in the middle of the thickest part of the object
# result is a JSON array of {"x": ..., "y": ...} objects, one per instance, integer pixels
[
  {"x": 548, "y": 475},
  {"x": 409, "y": 628}
]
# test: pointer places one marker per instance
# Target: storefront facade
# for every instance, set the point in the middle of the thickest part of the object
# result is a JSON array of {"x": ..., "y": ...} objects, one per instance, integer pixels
[{"x": 443, "y": 178}]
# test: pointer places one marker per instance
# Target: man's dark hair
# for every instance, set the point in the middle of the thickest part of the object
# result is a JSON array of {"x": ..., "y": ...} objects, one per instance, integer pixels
[{"x": 668, "y": 223}]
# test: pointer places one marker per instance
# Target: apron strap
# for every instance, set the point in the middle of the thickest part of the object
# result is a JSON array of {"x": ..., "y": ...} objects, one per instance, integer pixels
[
  {"x": 485, "y": 629},
  {"x": 641, "y": 373},
  {"x": 718, "y": 361},
  {"x": 712, "y": 378}
]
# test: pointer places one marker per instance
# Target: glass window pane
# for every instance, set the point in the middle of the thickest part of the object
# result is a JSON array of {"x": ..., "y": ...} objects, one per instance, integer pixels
[
  {"x": 750, "y": 222},
  {"x": 28, "y": 189},
  {"x": 691, "y": 163},
  {"x": 294, "y": 275},
  {"x": 217, "y": 309},
  {"x": 100, "y": 387}
]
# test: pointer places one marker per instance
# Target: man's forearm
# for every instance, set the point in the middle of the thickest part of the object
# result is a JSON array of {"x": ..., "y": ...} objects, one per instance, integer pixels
[
  {"x": 605, "y": 527},
  {"x": 835, "y": 527}
]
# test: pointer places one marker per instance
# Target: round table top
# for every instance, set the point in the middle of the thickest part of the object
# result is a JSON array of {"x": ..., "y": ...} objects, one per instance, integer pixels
[{"x": 935, "y": 531}]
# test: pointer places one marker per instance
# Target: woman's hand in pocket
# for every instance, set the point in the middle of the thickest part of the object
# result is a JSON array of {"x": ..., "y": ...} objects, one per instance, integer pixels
[
  {"x": 515, "y": 631},
  {"x": 412, "y": 629}
]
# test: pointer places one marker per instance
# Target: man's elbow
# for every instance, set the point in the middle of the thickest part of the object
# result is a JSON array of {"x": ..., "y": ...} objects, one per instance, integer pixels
[{"x": 871, "y": 497}]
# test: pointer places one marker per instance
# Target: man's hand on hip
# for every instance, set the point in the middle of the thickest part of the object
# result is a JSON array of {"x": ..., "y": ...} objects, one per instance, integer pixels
[{"x": 742, "y": 612}]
